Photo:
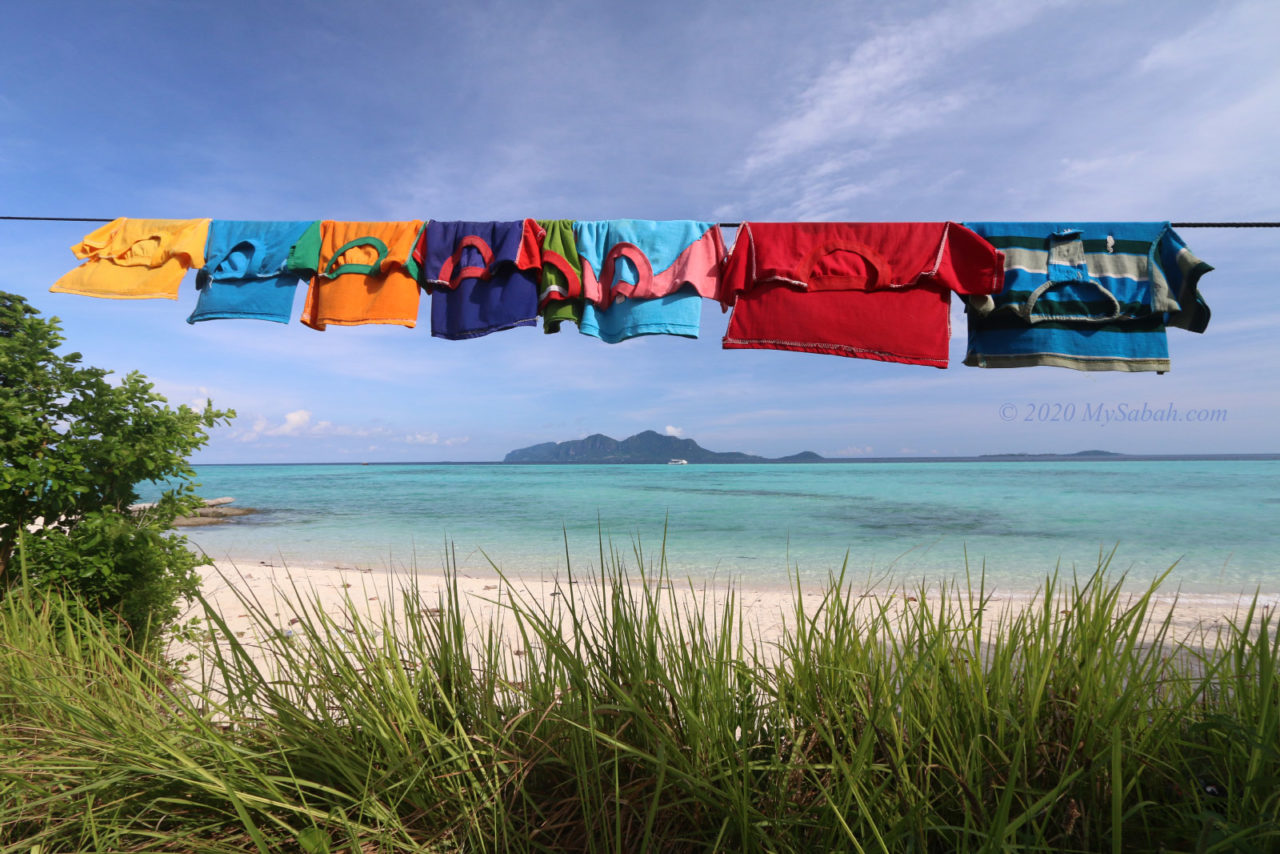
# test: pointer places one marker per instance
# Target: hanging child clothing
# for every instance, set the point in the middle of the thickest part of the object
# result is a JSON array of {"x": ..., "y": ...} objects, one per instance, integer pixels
[
  {"x": 483, "y": 276},
  {"x": 1093, "y": 296},
  {"x": 136, "y": 258},
  {"x": 868, "y": 290},
  {"x": 361, "y": 272},
  {"x": 245, "y": 273},
  {"x": 647, "y": 277},
  {"x": 560, "y": 288}
]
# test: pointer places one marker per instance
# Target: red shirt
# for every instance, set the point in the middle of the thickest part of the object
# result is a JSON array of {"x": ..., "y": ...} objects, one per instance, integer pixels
[{"x": 870, "y": 290}]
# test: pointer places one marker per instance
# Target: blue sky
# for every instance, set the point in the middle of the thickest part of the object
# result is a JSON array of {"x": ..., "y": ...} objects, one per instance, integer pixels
[{"x": 718, "y": 110}]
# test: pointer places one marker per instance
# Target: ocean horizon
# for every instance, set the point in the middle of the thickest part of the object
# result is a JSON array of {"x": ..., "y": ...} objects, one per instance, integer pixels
[{"x": 1079, "y": 456}]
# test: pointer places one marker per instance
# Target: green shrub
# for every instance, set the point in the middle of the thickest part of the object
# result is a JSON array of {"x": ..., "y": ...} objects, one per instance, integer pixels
[{"x": 73, "y": 448}]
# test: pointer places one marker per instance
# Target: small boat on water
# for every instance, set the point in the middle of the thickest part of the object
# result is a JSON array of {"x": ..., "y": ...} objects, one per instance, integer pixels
[{"x": 677, "y": 462}]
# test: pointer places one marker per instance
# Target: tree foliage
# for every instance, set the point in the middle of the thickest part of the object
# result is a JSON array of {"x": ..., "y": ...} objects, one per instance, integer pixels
[{"x": 74, "y": 446}]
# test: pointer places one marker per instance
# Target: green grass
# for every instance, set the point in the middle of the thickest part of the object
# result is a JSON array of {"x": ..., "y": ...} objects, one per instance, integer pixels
[{"x": 642, "y": 717}]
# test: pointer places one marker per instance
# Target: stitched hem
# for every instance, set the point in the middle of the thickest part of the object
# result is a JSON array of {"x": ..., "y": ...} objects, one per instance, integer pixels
[
  {"x": 164, "y": 295},
  {"x": 780, "y": 279},
  {"x": 476, "y": 333},
  {"x": 237, "y": 315},
  {"x": 1063, "y": 360},
  {"x": 321, "y": 323},
  {"x": 728, "y": 343},
  {"x": 644, "y": 329},
  {"x": 252, "y": 277}
]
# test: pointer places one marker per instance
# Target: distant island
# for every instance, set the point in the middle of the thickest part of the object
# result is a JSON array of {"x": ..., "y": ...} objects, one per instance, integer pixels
[
  {"x": 651, "y": 447},
  {"x": 1093, "y": 453},
  {"x": 647, "y": 447}
]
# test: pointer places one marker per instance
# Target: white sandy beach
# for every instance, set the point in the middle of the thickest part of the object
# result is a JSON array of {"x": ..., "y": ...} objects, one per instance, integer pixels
[
  {"x": 342, "y": 589},
  {"x": 337, "y": 589}
]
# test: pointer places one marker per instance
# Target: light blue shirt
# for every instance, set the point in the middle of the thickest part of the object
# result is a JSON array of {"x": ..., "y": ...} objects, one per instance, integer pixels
[
  {"x": 244, "y": 275},
  {"x": 675, "y": 314}
]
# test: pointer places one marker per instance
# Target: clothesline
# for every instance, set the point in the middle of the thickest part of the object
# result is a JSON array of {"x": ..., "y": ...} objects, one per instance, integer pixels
[
  {"x": 1089, "y": 296},
  {"x": 722, "y": 225}
]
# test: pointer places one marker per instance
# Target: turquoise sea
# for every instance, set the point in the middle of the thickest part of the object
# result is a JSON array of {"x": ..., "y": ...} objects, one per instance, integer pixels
[{"x": 1218, "y": 519}]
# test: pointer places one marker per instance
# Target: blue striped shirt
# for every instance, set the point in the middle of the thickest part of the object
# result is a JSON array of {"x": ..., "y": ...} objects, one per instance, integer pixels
[{"x": 1094, "y": 296}]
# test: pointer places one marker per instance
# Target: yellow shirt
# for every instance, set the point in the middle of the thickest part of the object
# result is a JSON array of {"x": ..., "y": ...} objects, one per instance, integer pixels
[{"x": 136, "y": 258}]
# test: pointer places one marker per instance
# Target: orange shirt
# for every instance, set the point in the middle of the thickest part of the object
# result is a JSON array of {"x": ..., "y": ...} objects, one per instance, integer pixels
[
  {"x": 361, "y": 272},
  {"x": 136, "y": 258}
]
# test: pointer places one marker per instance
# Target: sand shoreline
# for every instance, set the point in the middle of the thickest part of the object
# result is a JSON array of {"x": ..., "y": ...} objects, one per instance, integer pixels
[
  {"x": 270, "y": 608},
  {"x": 338, "y": 589}
]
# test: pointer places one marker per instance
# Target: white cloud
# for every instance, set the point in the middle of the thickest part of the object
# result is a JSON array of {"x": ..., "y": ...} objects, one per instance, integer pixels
[
  {"x": 294, "y": 423},
  {"x": 422, "y": 438},
  {"x": 202, "y": 399},
  {"x": 854, "y": 451},
  {"x": 1255, "y": 323},
  {"x": 1110, "y": 165},
  {"x": 674, "y": 431},
  {"x": 1223, "y": 38},
  {"x": 299, "y": 424},
  {"x": 878, "y": 93},
  {"x": 817, "y": 198},
  {"x": 196, "y": 396}
]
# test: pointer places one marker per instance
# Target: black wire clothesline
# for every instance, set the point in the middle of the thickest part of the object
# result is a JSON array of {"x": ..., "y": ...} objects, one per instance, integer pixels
[{"x": 722, "y": 224}]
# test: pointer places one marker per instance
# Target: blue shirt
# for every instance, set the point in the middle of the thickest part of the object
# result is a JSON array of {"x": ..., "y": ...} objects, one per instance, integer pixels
[
  {"x": 483, "y": 276},
  {"x": 244, "y": 273},
  {"x": 1090, "y": 296}
]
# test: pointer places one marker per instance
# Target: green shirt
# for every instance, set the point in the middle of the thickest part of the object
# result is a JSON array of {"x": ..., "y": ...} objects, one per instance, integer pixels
[{"x": 560, "y": 291}]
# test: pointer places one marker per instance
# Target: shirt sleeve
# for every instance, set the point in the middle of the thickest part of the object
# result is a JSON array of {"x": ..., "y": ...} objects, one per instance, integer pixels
[
  {"x": 739, "y": 269},
  {"x": 189, "y": 242},
  {"x": 93, "y": 243},
  {"x": 1182, "y": 271},
  {"x": 413, "y": 266},
  {"x": 529, "y": 256},
  {"x": 402, "y": 243},
  {"x": 304, "y": 257},
  {"x": 967, "y": 264}
]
